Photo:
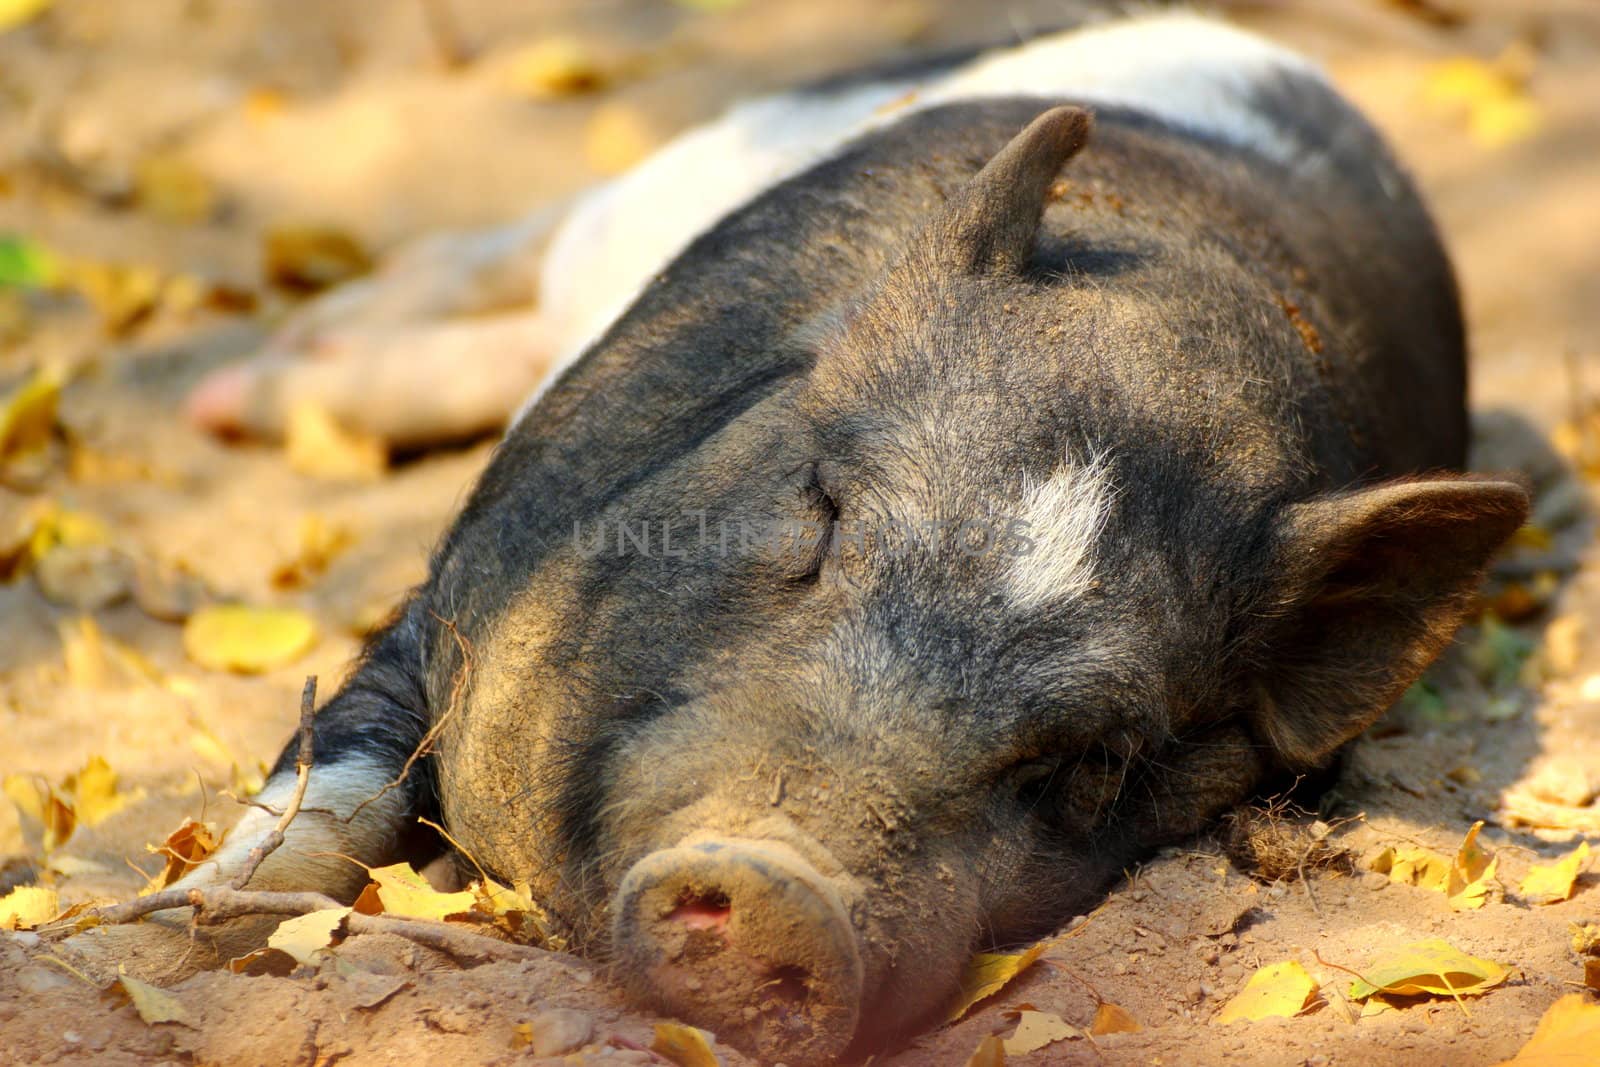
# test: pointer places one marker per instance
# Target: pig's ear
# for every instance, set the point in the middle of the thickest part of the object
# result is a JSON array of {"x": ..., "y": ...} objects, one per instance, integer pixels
[
  {"x": 1371, "y": 585},
  {"x": 990, "y": 225}
]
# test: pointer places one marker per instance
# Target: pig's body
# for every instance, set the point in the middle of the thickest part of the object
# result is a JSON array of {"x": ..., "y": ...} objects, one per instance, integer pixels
[{"x": 791, "y": 787}]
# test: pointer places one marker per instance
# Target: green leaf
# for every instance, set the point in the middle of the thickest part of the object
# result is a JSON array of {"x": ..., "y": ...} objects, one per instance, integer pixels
[{"x": 25, "y": 264}]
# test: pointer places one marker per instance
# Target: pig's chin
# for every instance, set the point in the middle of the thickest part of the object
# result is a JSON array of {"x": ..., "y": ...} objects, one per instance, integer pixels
[{"x": 747, "y": 938}]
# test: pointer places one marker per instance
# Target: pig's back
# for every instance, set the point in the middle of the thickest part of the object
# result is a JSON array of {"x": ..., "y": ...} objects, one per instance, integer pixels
[{"x": 1233, "y": 195}]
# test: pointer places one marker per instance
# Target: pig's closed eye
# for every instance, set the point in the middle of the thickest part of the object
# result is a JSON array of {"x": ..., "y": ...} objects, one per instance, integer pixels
[
  {"x": 821, "y": 517},
  {"x": 1070, "y": 792},
  {"x": 1034, "y": 781}
]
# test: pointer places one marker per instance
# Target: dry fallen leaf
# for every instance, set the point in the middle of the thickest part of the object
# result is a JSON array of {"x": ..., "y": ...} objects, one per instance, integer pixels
[
  {"x": 684, "y": 1046},
  {"x": 318, "y": 447},
  {"x": 1412, "y": 865},
  {"x": 184, "y": 848},
  {"x": 517, "y": 913},
  {"x": 123, "y": 294},
  {"x": 1492, "y": 97},
  {"x": 170, "y": 188},
  {"x": 308, "y": 258},
  {"x": 1552, "y": 882},
  {"x": 16, "y": 12},
  {"x": 28, "y": 415},
  {"x": 318, "y": 543},
  {"x": 47, "y": 819},
  {"x": 28, "y": 906},
  {"x": 95, "y": 796},
  {"x": 1431, "y": 967},
  {"x": 1591, "y": 973},
  {"x": 1113, "y": 1019},
  {"x": 1586, "y": 939},
  {"x": 1567, "y": 1036},
  {"x": 247, "y": 640},
  {"x": 1036, "y": 1029},
  {"x": 263, "y": 961},
  {"x": 617, "y": 137},
  {"x": 305, "y": 936},
  {"x": 1281, "y": 990},
  {"x": 986, "y": 974},
  {"x": 555, "y": 66},
  {"x": 1471, "y": 873},
  {"x": 991, "y": 1052},
  {"x": 399, "y": 890},
  {"x": 155, "y": 1005}
]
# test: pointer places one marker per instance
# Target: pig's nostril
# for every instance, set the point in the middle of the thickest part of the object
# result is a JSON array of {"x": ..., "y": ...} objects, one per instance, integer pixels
[
  {"x": 703, "y": 911},
  {"x": 789, "y": 985},
  {"x": 746, "y": 938}
]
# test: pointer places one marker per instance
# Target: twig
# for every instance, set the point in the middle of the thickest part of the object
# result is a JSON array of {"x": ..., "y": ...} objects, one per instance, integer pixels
[
  {"x": 218, "y": 904},
  {"x": 167, "y": 899},
  {"x": 425, "y": 746},
  {"x": 302, "y": 774}
]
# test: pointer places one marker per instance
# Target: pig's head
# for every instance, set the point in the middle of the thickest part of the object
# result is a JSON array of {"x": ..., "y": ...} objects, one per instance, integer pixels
[{"x": 1014, "y": 623}]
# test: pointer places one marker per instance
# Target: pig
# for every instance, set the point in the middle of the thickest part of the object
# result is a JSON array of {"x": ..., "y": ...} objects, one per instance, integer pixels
[{"x": 956, "y": 484}]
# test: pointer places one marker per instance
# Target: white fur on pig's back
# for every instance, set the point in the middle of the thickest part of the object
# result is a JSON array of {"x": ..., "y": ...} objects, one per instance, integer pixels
[{"x": 1193, "y": 72}]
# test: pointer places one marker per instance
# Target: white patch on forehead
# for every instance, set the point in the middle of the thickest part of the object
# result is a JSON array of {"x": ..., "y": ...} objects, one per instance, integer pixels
[
  {"x": 1194, "y": 72},
  {"x": 1064, "y": 517}
]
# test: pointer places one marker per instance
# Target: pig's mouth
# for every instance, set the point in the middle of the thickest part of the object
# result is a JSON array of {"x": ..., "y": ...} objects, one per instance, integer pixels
[{"x": 746, "y": 938}]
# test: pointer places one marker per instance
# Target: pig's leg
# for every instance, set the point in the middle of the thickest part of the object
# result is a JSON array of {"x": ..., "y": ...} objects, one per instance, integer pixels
[
  {"x": 370, "y": 781},
  {"x": 385, "y": 354},
  {"x": 396, "y": 354}
]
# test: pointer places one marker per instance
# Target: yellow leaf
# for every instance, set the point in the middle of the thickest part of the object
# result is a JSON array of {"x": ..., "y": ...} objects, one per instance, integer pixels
[
  {"x": 263, "y": 961},
  {"x": 402, "y": 891},
  {"x": 987, "y": 973},
  {"x": 1410, "y": 865},
  {"x": 684, "y": 1045},
  {"x": 94, "y": 792},
  {"x": 28, "y": 414},
  {"x": 311, "y": 257},
  {"x": 47, "y": 820},
  {"x": 1471, "y": 873},
  {"x": 170, "y": 188},
  {"x": 555, "y": 66},
  {"x": 304, "y": 936},
  {"x": 1433, "y": 967},
  {"x": 616, "y": 138},
  {"x": 1567, "y": 1036},
  {"x": 155, "y": 1005},
  {"x": 318, "y": 447},
  {"x": 1282, "y": 990},
  {"x": 1552, "y": 882},
  {"x": 319, "y": 543},
  {"x": 57, "y": 527},
  {"x": 28, "y": 906},
  {"x": 991, "y": 1052},
  {"x": 1113, "y": 1019},
  {"x": 184, "y": 848},
  {"x": 16, "y": 12},
  {"x": 1036, "y": 1029},
  {"x": 1491, "y": 97},
  {"x": 123, "y": 294},
  {"x": 247, "y": 640}
]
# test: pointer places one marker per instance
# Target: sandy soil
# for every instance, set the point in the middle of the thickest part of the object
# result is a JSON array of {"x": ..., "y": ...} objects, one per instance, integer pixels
[{"x": 296, "y": 110}]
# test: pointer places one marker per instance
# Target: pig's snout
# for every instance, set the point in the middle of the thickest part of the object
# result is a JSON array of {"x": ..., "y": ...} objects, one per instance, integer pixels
[{"x": 744, "y": 938}]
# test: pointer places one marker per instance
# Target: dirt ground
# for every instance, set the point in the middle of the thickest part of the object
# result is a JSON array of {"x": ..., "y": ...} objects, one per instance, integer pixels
[{"x": 277, "y": 112}]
